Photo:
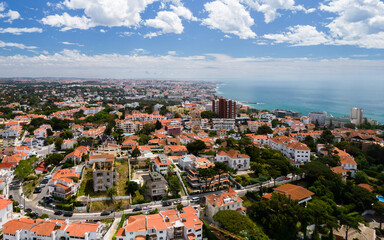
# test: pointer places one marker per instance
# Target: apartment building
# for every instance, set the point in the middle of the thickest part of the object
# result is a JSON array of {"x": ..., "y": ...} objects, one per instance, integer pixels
[
  {"x": 291, "y": 148},
  {"x": 169, "y": 224},
  {"x": 223, "y": 123},
  {"x": 157, "y": 185},
  {"x": 104, "y": 175},
  {"x": 224, "y": 108}
]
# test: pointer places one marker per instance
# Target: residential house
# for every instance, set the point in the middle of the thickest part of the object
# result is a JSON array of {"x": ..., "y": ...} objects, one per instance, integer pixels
[
  {"x": 293, "y": 192},
  {"x": 67, "y": 144},
  {"x": 6, "y": 210},
  {"x": 169, "y": 224},
  {"x": 64, "y": 183},
  {"x": 12, "y": 132},
  {"x": 161, "y": 163},
  {"x": 99, "y": 158},
  {"x": 227, "y": 200},
  {"x": 234, "y": 159},
  {"x": 50, "y": 229},
  {"x": 175, "y": 150}
]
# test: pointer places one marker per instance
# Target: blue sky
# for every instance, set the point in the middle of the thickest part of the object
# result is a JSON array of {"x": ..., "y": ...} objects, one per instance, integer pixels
[{"x": 175, "y": 39}]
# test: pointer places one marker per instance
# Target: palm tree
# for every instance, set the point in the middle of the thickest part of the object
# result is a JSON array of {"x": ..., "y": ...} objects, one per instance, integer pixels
[
  {"x": 350, "y": 221},
  {"x": 111, "y": 192}
]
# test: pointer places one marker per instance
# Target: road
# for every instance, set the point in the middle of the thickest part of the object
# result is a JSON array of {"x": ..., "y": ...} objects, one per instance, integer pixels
[{"x": 33, "y": 204}]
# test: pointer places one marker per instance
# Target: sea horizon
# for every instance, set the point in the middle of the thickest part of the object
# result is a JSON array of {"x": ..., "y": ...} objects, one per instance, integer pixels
[{"x": 335, "y": 98}]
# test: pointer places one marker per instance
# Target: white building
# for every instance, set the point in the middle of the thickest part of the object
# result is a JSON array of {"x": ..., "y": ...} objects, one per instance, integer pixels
[
  {"x": 169, "y": 224},
  {"x": 356, "y": 115},
  {"x": 318, "y": 117},
  {"x": 223, "y": 123},
  {"x": 291, "y": 148},
  {"x": 234, "y": 159},
  {"x": 6, "y": 210}
]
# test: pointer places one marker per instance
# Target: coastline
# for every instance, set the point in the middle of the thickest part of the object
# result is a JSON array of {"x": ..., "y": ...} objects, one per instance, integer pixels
[{"x": 246, "y": 100}]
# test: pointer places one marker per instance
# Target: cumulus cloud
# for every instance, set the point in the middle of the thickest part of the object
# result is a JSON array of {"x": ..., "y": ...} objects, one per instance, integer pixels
[
  {"x": 357, "y": 22},
  {"x": 111, "y": 13},
  {"x": 229, "y": 16},
  {"x": 10, "y": 15},
  {"x": 19, "y": 31},
  {"x": 183, "y": 12},
  {"x": 270, "y": 7},
  {"x": 300, "y": 35},
  {"x": 168, "y": 22},
  {"x": 15, "y": 45},
  {"x": 67, "y": 21}
]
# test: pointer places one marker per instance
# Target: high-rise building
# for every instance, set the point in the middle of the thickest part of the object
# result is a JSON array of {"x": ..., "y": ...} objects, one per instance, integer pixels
[
  {"x": 318, "y": 118},
  {"x": 356, "y": 115},
  {"x": 224, "y": 108}
]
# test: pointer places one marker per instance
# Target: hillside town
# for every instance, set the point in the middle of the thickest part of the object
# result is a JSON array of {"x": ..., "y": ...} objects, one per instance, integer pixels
[{"x": 140, "y": 159}]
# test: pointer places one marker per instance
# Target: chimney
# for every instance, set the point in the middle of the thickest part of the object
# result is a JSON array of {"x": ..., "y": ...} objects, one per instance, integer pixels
[{"x": 214, "y": 202}]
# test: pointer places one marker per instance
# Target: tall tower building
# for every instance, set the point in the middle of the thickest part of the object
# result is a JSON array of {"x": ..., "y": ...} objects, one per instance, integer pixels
[
  {"x": 356, "y": 115},
  {"x": 318, "y": 117},
  {"x": 224, "y": 108}
]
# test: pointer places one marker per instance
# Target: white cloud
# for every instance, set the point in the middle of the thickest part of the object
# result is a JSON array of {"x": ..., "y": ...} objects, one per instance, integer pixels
[
  {"x": 172, "y": 53},
  {"x": 270, "y": 7},
  {"x": 229, "y": 16},
  {"x": 183, "y": 12},
  {"x": 300, "y": 35},
  {"x": 10, "y": 15},
  {"x": 73, "y": 44},
  {"x": 168, "y": 22},
  {"x": 358, "y": 22},
  {"x": 102, "y": 31},
  {"x": 19, "y": 31},
  {"x": 67, "y": 21},
  {"x": 16, "y": 45},
  {"x": 69, "y": 63},
  {"x": 111, "y": 13}
]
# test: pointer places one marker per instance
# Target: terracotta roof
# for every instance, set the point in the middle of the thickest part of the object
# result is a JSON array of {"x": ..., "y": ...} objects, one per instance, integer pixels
[
  {"x": 366, "y": 186},
  {"x": 229, "y": 194},
  {"x": 4, "y": 203},
  {"x": 293, "y": 191}
]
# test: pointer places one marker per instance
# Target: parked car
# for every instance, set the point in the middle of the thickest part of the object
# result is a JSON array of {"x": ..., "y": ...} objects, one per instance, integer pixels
[
  {"x": 33, "y": 215},
  {"x": 28, "y": 210},
  {"x": 58, "y": 212},
  {"x": 136, "y": 209},
  {"x": 45, "y": 181},
  {"x": 147, "y": 207},
  {"x": 21, "y": 206},
  {"x": 37, "y": 190},
  {"x": 68, "y": 214},
  {"x": 195, "y": 199},
  {"x": 166, "y": 203},
  {"x": 105, "y": 213},
  {"x": 10, "y": 197}
]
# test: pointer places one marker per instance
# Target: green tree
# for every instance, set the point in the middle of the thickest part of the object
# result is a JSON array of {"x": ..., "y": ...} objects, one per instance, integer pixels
[
  {"x": 350, "y": 221},
  {"x": 131, "y": 187},
  {"x": 158, "y": 125},
  {"x": 361, "y": 177},
  {"x": 174, "y": 185},
  {"x": 220, "y": 168},
  {"x": 54, "y": 159},
  {"x": 379, "y": 212},
  {"x": 196, "y": 146},
  {"x": 209, "y": 115},
  {"x": 66, "y": 134},
  {"x": 262, "y": 130},
  {"x": 24, "y": 168},
  {"x": 207, "y": 175},
  {"x": 111, "y": 192},
  {"x": 135, "y": 153},
  {"x": 322, "y": 213},
  {"x": 177, "y": 115},
  {"x": 239, "y": 224},
  {"x": 58, "y": 143}
]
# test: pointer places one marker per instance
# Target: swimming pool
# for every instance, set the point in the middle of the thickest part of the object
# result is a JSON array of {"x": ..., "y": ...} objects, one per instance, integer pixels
[{"x": 381, "y": 198}]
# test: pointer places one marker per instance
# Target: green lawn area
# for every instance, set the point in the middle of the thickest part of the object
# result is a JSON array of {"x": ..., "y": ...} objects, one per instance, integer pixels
[
  {"x": 29, "y": 186},
  {"x": 249, "y": 179},
  {"x": 122, "y": 170},
  {"x": 100, "y": 206}
]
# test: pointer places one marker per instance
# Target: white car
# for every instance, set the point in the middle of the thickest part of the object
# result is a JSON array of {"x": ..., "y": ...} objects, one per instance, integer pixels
[{"x": 21, "y": 206}]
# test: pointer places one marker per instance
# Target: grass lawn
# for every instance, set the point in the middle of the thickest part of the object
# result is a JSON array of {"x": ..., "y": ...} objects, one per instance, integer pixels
[
  {"x": 100, "y": 206},
  {"x": 138, "y": 197},
  {"x": 29, "y": 186},
  {"x": 122, "y": 170}
]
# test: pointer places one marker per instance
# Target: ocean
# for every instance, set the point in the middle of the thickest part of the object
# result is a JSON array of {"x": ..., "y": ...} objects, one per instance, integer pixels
[{"x": 334, "y": 97}]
